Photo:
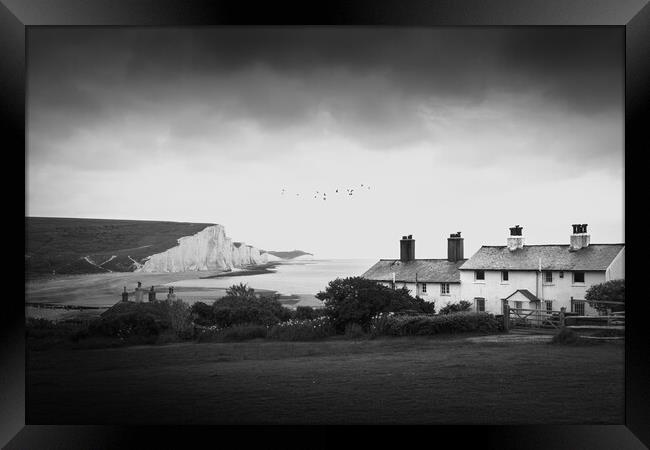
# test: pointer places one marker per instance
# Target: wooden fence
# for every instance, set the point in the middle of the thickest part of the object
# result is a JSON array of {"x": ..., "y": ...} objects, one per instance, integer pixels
[{"x": 542, "y": 318}]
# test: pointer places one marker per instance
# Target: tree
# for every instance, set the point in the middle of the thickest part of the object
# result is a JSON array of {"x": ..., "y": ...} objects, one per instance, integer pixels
[
  {"x": 233, "y": 310},
  {"x": 357, "y": 300},
  {"x": 240, "y": 290},
  {"x": 609, "y": 291}
]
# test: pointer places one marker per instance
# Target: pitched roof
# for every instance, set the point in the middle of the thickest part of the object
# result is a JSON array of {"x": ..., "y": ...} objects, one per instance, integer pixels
[
  {"x": 428, "y": 270},
  {"x": 553, "y": 257},
  {"x": 526, "y": 293}
]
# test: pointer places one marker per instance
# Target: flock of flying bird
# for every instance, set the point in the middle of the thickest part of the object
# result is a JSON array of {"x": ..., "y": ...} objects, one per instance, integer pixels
[{"x": 349, "y": 192}]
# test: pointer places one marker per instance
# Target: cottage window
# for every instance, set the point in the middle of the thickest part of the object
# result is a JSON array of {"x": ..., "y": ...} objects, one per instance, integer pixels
[
  {"x": 424, "y": 287},
  {"x": 578, "y": 277},
  {"x": 504, "y": 275},
  {"x": 480, "y": 304},
  {"x": 549, "y": 305},
  {"x": 479, "y": 275},
  {"x": 548, "y": 277},
  {"x": 444, "y": 288},
  {"x": 561, "y": 274}
]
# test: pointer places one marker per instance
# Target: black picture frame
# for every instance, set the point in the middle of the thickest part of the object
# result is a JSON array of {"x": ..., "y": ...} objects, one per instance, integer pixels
[{"x": 633, "y": 15}]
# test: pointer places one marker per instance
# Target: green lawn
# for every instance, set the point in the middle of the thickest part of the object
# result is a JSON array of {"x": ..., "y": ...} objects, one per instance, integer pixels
[{"x": 447, "y": 380}]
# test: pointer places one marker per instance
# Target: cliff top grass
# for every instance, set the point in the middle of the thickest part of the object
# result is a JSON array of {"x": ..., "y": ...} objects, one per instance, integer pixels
[{"x": 60, "y": 244}]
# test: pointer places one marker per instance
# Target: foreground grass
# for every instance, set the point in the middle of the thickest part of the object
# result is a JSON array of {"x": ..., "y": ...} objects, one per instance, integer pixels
[{"x": 400, "y": 380}]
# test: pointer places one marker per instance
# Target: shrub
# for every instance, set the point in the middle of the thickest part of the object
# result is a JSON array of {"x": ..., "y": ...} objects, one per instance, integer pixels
[
  {"x": 235, "y": 333},
  {"x": 39, "y": 323},
  {"x": 451, "y": 308},
  {"x": 180, "y": 318},
  {"x": 305, "y": 313},
  {"x": 202, "y": 314},
  {"x": 302, "y": 330},
  {"x": 230, "y": 310},
  {"x": 427, "y": 325},
  {"x": 566, "y": 336},
  {"x": 240, "y": 290},
  {"x": 611, "y": 291},
  {"x": 126, "y": 326},
  {"x": 354, "y": 331},
  {"x": 126, "y": 320},
  {"x": 380, "y": 323},
  {"x": 357, "y": 300}
]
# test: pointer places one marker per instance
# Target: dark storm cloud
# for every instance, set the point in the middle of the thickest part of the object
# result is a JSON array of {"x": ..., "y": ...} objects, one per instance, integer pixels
[{"x": 367, "y": 83}]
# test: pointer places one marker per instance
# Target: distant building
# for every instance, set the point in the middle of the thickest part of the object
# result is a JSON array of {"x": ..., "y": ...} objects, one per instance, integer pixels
[
  {"x": 539, "y": 276},
  {"x": 431, "y": 279}
]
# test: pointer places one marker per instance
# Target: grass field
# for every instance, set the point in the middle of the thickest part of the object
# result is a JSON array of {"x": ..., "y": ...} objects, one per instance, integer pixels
[{"x": 438, "y": 380}]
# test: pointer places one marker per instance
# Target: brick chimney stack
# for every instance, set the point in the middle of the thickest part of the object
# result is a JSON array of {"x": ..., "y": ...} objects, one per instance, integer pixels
[
  {"x": 579, "y": 239},
  {"x": 515, "y": 240},
  {"x": 455, "y": 247},
  {"x": 407, "y": 248}
]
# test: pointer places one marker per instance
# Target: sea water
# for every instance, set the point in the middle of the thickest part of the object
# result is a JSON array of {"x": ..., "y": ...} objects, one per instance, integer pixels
[{"x": 303, "y": 278}]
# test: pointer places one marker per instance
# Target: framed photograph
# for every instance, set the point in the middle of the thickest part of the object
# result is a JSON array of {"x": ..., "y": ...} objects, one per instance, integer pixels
[{"x": 222, "y": 206}]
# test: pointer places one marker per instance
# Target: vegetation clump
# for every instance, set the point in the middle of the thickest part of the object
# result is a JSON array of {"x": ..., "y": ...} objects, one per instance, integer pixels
[
  {"x": 358, "y": 300},
  {"x": 302, "y": 330},
  {"x": 451, "y": 308},
  {"x": 566, "y": 336},
  {"x": 609, "y": 291},
  {"x": 241, "y": 305},
  {"x": 428, "y": 325}
]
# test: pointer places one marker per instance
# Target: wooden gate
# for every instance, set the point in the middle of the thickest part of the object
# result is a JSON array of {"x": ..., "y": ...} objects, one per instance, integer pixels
[{"x": 532, "y": 318}]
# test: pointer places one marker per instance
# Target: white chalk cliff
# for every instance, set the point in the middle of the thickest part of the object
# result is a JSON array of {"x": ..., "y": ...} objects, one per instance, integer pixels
[{"x": 209, "y": 249}]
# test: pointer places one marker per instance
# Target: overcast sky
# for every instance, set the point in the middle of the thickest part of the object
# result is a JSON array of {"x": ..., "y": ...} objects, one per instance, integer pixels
[{"x": 454, "y": 129}]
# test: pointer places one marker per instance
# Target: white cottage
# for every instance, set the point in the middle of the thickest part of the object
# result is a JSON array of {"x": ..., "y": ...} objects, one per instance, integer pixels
[
  {"x": 431, "y": 279},
  {"x": 540, "y": 276}
]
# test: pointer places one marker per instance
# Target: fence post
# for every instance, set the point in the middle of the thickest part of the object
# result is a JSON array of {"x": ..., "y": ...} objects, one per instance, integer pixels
[
  {"x": 506, "y": 315},
  {"x": 562, "y": 311},
  {"x": 609, "y": 315}
]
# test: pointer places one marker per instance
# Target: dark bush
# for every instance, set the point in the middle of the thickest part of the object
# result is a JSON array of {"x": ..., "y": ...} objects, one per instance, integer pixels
[
  {"x": 357, "y": 300},
  {"x": 127, "y": 319},
  {"x": 305, "y": 313},
  {"x": 302, "y": 330},
  {"x": 235, "y": 333},
  {"x": 426, "y": 325},
  {"x": 126, "y": 326},
  {"x": 610, "y": 291},
  {"x": 202, "y": 314},
  {"x": 229, "y": 310},
  {"x": 451, "y": 308},
  {"x": 566, "y": 336},
  {"x": 354, "y": 331}
]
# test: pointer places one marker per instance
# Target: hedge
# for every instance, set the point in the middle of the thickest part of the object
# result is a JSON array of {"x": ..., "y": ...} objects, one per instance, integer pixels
[{"x": 427, "y": 325}]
